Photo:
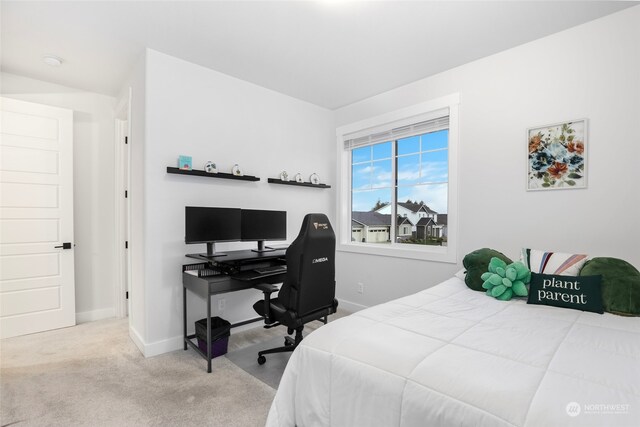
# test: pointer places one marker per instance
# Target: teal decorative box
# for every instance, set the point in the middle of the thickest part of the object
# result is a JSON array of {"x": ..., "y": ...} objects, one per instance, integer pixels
[{"x": 184, "y": 162}]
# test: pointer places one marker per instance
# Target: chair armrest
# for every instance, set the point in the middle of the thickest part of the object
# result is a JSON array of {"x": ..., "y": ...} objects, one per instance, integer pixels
[{"x": 267, "y": 288}]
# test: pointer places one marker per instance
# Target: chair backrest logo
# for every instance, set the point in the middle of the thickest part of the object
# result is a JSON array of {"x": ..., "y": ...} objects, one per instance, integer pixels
[
  {"x": 317, "y": 260},
  {"x": 321, "y": 225}
]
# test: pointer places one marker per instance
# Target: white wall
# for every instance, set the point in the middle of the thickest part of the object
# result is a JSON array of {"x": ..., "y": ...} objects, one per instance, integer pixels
[
  {"x": 195, "y": 111},
  {"x": 591, "y": 71},
  {"x": 93, "y": 210}
]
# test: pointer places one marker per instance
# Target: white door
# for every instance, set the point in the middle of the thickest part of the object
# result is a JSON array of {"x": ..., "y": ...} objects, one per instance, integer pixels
[
  {"x": 37, "y": 290},
  {"x": 122, "y": 225}
]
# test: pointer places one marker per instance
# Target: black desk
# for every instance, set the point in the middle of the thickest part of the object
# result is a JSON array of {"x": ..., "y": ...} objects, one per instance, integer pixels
[
  {"x": 242, "y": 257},
  {"x": 230, "y": 273}
]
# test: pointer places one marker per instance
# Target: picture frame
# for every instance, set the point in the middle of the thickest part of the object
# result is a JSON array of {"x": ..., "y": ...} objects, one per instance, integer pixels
[{"x": 557, "y": 156}]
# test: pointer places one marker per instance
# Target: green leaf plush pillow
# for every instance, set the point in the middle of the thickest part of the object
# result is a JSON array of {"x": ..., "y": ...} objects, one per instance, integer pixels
[
  {"x": 620, "y": 284},
  {"x": 477, "y": 263},
  {"x": 503, "y": 281}
]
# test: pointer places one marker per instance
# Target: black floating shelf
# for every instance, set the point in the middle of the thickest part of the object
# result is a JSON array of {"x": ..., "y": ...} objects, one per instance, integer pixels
[
  {"x": 212, "y": 175},
  {"x": 299, "y": 184}
]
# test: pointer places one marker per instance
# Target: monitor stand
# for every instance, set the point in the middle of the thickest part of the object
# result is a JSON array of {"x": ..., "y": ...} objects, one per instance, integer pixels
[
  {"x": 262, "y": 247},
  {"x": 211, "y": 251}
]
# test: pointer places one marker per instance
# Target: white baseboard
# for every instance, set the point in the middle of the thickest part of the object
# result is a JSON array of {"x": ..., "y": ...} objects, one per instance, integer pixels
[
  {"x": 91, "y": 316},
  {"x": 163, "y": 346},
  {"x": 173, "y": 343},
  {"x": 156, "y": 348},
  {"x": 248, "y": 326},
  {"x": 349, "y": 306},
  {"x": 137, "y": 339}
]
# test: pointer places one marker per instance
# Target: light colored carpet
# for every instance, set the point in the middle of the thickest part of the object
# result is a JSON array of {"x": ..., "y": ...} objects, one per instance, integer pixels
[{"x": 93, "y": 375}]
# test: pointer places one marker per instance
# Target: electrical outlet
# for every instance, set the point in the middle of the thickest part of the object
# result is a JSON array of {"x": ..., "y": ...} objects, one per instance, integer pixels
[
  {"x": 360, "y": 288},
  {"x": 222, "y": 303}
]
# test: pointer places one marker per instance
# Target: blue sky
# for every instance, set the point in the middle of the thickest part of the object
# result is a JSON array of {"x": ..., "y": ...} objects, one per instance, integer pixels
[{"x": 422, "y": 172}]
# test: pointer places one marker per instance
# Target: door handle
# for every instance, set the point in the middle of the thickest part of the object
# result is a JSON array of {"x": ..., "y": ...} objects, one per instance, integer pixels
[{"x": 66, "y": 245}]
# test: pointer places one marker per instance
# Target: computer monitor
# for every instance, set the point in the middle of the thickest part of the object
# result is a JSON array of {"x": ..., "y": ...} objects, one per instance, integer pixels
[
  {"x": 211, "y": 225},
  {"x": 261, "y": 225}
]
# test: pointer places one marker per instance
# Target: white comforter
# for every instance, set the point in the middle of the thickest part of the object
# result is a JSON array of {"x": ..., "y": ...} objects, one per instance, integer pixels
[{"x": 451, "y": 356}]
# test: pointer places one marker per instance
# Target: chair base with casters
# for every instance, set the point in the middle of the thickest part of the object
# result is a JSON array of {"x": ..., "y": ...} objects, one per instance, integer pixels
[{"x": 290, "y": 344}]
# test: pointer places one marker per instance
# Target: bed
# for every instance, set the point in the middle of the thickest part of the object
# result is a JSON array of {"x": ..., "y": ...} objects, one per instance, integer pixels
[{"x": 452, "y": 356}]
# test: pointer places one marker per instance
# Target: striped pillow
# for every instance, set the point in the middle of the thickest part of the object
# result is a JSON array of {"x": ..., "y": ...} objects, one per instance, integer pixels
[{"x": 552, "y": 262}]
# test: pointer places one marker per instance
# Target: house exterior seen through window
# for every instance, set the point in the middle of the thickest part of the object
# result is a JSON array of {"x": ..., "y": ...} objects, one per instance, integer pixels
[{"x": 399, "y": 190}]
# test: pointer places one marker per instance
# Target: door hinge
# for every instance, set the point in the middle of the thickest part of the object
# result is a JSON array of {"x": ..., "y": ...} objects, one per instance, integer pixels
[
  {"x": 126, "y": 139},
  {"x": 126, "y": 244},
  {"x": 127, "y": 294},
  {"x": 126, "y": 194}
]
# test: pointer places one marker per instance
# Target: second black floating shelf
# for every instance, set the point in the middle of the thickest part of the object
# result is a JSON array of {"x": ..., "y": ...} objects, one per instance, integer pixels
[
  {"x": 299, "y": 184},
  {"x": 212, "y": 175}
]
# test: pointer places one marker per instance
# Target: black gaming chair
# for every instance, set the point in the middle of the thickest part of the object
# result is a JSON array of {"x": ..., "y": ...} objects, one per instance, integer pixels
[{"x": 308, "y": 291}]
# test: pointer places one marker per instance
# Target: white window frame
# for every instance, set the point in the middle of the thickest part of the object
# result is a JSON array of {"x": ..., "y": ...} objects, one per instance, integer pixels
[{"x": 391, "y": 120}]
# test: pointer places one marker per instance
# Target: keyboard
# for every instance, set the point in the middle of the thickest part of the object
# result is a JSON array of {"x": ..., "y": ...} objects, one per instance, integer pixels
[{"x": 271, "y": 269}]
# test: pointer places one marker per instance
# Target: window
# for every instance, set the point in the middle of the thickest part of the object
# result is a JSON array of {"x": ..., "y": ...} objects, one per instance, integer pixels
[
  {"x": 404, "y": 176},
  {"x": 398, "y": 174}
]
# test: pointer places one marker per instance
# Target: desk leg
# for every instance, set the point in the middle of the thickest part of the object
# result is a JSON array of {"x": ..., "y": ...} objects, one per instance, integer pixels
[
  {"x": 209, "y": 334},
  {"x": 184, "y": 317}
]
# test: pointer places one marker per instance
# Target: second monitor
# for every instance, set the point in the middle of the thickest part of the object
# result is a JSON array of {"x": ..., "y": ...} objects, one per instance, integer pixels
[{"x": 261, "y": 225}]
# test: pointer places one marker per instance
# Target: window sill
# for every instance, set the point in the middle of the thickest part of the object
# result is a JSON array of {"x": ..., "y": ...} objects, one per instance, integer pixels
[{"x": 433, "y": 253}]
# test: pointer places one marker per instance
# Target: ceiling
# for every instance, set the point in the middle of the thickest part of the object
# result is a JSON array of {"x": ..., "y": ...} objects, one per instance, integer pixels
[{"x": 329, "y": 53}]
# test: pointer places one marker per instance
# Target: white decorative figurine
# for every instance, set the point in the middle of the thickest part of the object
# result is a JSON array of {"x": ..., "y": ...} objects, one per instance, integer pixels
[{"x": 210, "y": 167}]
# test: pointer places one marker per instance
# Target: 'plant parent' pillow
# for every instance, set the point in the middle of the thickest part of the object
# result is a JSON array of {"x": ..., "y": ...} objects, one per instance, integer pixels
[
  {"x": 552, "y": 262},
  {"x": 620, "y": 285},
  {"x": 476, "y": 263},
  {"x": 580, "y": 293}
]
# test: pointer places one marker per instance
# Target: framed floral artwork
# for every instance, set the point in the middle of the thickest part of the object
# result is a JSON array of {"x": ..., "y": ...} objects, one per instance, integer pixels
[{"x": 557, "y": 156}]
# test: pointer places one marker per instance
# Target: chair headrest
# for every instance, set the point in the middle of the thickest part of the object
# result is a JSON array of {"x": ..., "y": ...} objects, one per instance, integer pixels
[{"x": 316, "y": 223}]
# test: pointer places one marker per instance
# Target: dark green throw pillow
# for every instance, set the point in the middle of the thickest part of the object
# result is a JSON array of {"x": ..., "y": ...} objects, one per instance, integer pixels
[
  {"x": 620, "y": 284},
  {"x": 476, "y": 263},
  {"x": 577, "y": 292}
]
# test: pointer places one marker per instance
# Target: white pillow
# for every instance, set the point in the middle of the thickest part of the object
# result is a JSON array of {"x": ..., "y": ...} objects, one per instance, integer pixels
[
  {"x": 552, "y": 262},
  {"x": 460, "y": 274}
]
